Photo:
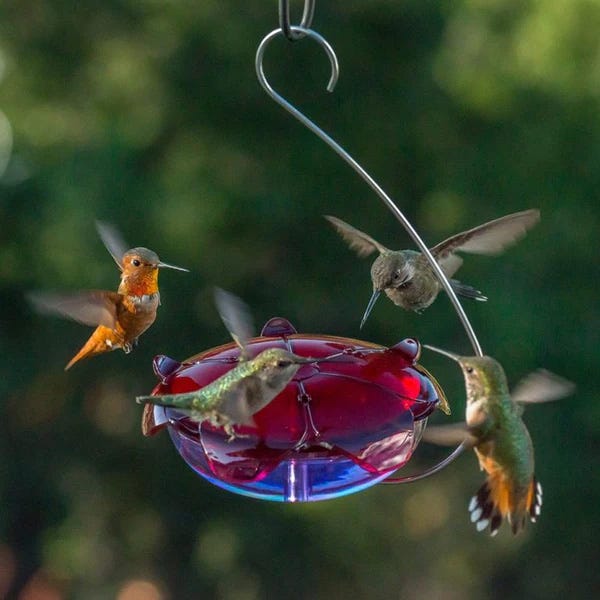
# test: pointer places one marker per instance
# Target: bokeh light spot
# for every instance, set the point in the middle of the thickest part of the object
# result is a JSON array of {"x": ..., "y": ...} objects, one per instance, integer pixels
[{"x": 139, "y": 589}]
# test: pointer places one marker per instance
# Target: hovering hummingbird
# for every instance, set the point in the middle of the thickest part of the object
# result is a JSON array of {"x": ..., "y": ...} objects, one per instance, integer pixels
[
  {"x": 120, "y": 317},
  {"x": 406, "y": 275},
  {"x": 234, "y": 397},
  {"x": 495, "y": 430}
]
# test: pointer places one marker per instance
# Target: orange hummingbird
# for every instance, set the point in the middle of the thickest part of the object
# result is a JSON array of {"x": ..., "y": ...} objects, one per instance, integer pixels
[{"x": 120, "y": 317}]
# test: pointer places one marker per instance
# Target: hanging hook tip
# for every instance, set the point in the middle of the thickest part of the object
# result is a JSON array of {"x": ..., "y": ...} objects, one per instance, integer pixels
[{"x": 333, "y": 81}]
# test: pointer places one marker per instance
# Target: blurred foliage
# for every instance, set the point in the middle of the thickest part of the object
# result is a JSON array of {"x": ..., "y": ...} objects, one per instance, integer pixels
[{"x": 148, "y": 115}]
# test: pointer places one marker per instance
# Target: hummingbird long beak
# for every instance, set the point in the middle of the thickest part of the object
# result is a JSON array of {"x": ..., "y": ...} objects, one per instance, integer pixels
[
  {"x": 310, "y": 361},
  {"x": 306, "y": 361},
  {"x": 451, "y": 355},
  {"x": 168, "y": 266},
  {"x": 370, "y": 307}
]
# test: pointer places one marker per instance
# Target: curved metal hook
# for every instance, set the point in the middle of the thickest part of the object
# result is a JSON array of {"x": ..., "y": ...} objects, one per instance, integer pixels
[
  {"x": 284, "y": 19},
  {"x": 260, "y": 73},
  {"x": 367, "y": 178}
]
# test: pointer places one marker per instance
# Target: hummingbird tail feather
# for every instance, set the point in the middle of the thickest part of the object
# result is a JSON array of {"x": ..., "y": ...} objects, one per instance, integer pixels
[
  {"x": 530, "y": 508},
  {"x": 179, "y": 401},
  {"x": 467, "y": 291},
  {"x": 493, "y": 503},
  {"x": 534, "y": 500},
  {"x": 189, "y": 404},
  {"x": 102, "y": 340},
  {"x": 88, "y": 349},
  {"x": 486, "y": 507}
]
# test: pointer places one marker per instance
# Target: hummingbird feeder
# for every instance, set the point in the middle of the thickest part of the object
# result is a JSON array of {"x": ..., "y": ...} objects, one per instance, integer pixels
[{"x": 338, "y": 427}]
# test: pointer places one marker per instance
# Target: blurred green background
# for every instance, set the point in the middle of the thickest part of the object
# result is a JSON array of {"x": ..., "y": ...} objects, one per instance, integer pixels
[{"x": 148, "y": 115}]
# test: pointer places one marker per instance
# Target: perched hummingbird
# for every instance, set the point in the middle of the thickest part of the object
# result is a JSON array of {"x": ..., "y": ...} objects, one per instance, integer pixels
[
  {"x": 406, "y": 275},
  {"x": 234, "y": 397},
  {"x": 121, "y": 316},
  {"x": 495, "y": 430}
]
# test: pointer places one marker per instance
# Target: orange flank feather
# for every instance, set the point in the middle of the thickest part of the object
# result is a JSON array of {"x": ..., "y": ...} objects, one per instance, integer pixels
[{"x": 501, "y": 498}]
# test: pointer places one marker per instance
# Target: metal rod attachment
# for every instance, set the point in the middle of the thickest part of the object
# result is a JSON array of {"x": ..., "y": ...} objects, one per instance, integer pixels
[
  {"x": 357, "y": 167},
  {"x": 284, "y": 19},
  {"x": 432, "y": 471}
]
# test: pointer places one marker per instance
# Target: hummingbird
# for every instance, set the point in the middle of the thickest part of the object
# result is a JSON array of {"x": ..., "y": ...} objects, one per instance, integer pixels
[
  {"x": 494, "y": 428},
  {"x": 233, "y": 398},
  {"x": 406, "y": 275},
  {"x": 120, "y": 317}
]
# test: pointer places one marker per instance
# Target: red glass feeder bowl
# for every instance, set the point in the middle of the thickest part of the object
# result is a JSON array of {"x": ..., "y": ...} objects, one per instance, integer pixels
[{"x": 338, "y": 427}]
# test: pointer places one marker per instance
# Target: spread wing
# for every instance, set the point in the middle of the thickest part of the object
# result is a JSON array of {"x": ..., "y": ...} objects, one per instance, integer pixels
[
  {"x": 450, "y": 263},
  {"x": 237, "y": 318},
  {"x": 490, "y": 238},
  {"x": 362, "y": 243},
  {"x": 449, "y": 435},
  {"x": 113, "y": 240},
  {"x": 542, "y": 386},
  {"x": 93, "y": 307}
]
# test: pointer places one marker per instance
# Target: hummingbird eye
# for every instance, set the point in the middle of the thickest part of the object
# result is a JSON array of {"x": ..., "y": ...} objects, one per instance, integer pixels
[
  {"x": 400, "y": 280},
  {"x": 284, "y": 363},
  {"x": 469, "y": 370},
  {"x": 135, "y": 262}
]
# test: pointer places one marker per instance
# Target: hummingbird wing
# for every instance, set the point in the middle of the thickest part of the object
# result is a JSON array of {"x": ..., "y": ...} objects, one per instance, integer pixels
[
  {"x": 490, "y": 238},
  {"x": 243, "y": 400},
  {"x": 450, "y": 263},
  {"x": 541, "y": 386},
  {"x": 362, "y": 243},
  {"x": 449, "y": 435},
  {"x": 94, "y": 307},
  {"x": 237, "y": 318},
  {"x": 113, "y": 240}
]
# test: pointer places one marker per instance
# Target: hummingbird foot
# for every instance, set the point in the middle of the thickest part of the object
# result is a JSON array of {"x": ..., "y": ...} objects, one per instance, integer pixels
[
  {"x": 127, "y": 348},
  {"x": 234, "y": 435},
  {"x": 228, "y": 428}
]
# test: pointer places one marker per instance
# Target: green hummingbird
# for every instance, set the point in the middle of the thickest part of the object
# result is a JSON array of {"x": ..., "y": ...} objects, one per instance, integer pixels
[
  {"x": 236, "y": 396},
  {"x": 406, "y": 275},
  {"x": 496, "y": 432}
]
